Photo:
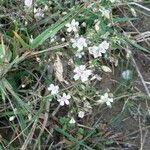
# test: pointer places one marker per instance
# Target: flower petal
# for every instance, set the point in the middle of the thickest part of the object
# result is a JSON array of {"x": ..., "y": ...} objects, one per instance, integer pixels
[
  {"x": 67, "y": 102},
  {"x": 61, "y": 103}
]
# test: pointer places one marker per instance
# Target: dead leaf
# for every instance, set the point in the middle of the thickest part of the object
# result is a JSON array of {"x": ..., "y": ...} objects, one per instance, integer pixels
[
  {"x": 80, "y": 137},
  {"x": 67, "y": 141},
  {"x": 58, "y": 66},
  {"x": 106, "y": 69}
]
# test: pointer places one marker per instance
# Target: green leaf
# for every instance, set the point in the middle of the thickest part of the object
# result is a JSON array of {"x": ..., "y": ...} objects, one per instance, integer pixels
[
  {"x": 137, "y": 45},
  {"x": 9, "y": 88},
  {"x": 72, "y": 139},
  {"x": 14, "y": 62},
  {"x": 2, "y": 50},
  {"x": 52, "y": 30},
  {"x": 22, "y": 42},
  {"x": 44, "y": 21},
  {"x": 123, "y": 19},
  {"x": 5, "y": 54}
]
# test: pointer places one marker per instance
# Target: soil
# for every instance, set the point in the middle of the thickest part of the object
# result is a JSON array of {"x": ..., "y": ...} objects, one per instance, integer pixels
[{"x": 127, "y": 123}]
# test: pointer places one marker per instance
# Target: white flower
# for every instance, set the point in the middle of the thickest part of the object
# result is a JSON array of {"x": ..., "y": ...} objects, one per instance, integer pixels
[
  {"x": 46, "y": 7},
  {"x": 63, "y": 39},
  {"x": 79, "y": 42},
  {"x": 38, "y": 12},
  {"x": 53, "y": 39},
  {"x": 127, "y": 74},
  {"x": 81, "y": 114},
  {"x": 97, "y": 51},
  {"x": 73, "y": 26},
  {"x": 82, "y": 73},
  {"x": 23, "y": 85},
  {"x": 64, "y": 99},
  {"x": 72, "y": 121},
  {"x": 106, "y": 99},
  {"x": 54, "y": 89},
  {"x": 103, "y": 46},
  {"x": 84, "y": 24},
  {"x": 79, "y": 54},
  {"x": 28, "y": 3},
  {"x": 11, "y": 118}
]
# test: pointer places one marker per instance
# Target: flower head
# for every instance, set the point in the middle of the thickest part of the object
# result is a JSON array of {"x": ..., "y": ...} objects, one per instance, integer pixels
[
  {"x": 97, "y": 51},
  {"x": 79, "y": 42},
  {"x": 127, "y": 74},
  {"x": 103, "y": 46},
  {"x": 54, "y": 89},
  {"x": 79, "y": 54},
  {"x": 81, "y": 114},
  {"x": 11, "y": 118},
  {"x": 64, "y": 99},
  {"x": 38, "y": 12},
  {"x": 82, "y": 73},
  {"x": 28, "y": 3},
  {"x": 73, "y": 26},
  {"x": 106, "y": 99},
  {"x": 72, "y": 121}
]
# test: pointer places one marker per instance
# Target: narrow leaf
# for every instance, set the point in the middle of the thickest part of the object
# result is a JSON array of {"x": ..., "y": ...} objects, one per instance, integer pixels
[
  {"x": 52, "y": 30},
  {"x": 22, "y": 42}
]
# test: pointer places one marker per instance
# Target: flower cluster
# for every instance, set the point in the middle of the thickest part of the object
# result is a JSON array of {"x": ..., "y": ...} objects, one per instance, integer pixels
[
  {"x": 28, "y": 3},
  {"x": 64, "y": 99},
  {"x": 54, "y": 89},
  {"x": 106, "y": 99},
  {"x": 38, "y": 12},
  {"x": 81, "y": 114},
  {"x": 97, "y": 51},
  {"x": 80, "y": 43},
  {"x": 73, "y": 26},
  {"x": 82, "y": 73}
]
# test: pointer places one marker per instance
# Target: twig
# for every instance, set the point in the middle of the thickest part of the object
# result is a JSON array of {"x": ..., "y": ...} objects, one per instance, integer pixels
[
  {"x": 143, "y": 82},
  {"x": 139, "y": 5},
  {"x": 29, "y": 137},
  {"x": 141, "y": 77},
  {"x": 142, "y": 36},
  {"x": 44, "y": 123},
  {"x": 135, "y": 132},
  {"x": 49, "y": 49},
  {"x": 141, "y": 134}
]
